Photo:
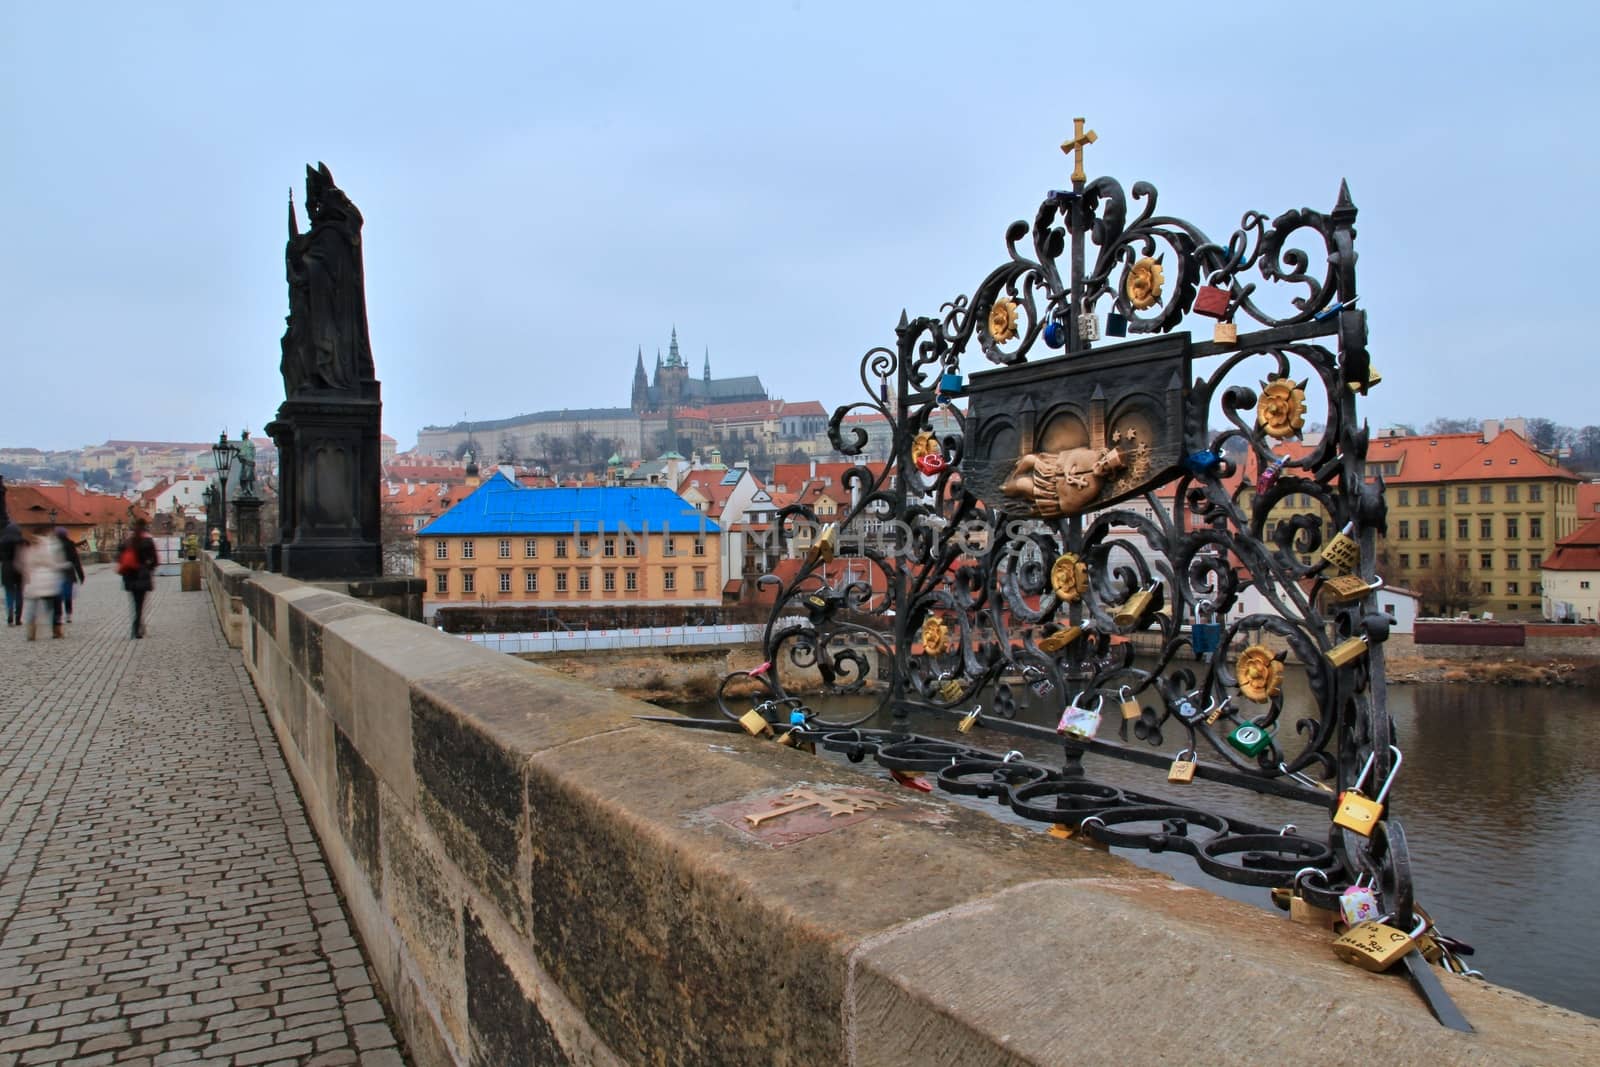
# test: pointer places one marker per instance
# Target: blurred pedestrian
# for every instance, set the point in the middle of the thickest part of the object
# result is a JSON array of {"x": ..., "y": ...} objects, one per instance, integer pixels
[
  {"x": 136, "y": 562},
  {"x": 11, "y": 542},
  {"x": 43, "y": 565},
  {"x": 73, "y": 573}
]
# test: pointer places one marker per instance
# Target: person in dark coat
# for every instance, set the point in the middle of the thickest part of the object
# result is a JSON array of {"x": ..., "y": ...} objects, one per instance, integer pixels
[
  {"x": 11, "y": 540},
  {"x": 141, "y": 579},
  {"x": 73, "y": 573}
]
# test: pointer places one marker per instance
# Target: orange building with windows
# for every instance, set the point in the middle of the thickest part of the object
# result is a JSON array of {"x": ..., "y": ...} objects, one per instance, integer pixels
[{"x": 507, "y": 545}]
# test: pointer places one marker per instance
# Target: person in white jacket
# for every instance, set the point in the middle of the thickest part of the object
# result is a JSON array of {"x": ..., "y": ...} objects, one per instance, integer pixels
[{"x": 43, "y": 564}]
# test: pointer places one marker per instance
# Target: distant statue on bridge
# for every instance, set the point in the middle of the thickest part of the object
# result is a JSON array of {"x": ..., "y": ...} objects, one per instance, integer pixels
[
  {"x": 247, "y": 466},
  {"x": 326, "y": 347}
]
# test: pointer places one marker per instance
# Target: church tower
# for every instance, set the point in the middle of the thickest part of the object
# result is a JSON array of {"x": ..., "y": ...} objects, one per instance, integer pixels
[
  {"x": 706, "y": 377},
  {"x": 641, "y": 385}
]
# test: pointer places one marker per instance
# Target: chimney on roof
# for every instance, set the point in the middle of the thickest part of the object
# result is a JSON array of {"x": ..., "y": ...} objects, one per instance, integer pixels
[
  {"x": 813, "y": 466},
  {"x": 1491, "y": 430}
]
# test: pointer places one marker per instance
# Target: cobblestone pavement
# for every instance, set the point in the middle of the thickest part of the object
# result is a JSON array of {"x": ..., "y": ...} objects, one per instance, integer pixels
[{"x": 162, "y": 897}]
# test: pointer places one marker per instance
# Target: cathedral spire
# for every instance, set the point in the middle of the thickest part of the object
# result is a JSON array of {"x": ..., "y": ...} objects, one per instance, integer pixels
[
  {"x": 674, "y": 359},
  {"x": 707, "y": 374}
]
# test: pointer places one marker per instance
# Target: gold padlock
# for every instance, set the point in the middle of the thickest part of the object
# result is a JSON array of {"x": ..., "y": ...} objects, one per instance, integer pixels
[
  {"x": 826, "y": 545},
  {"x": 1225, "y": 333},
  {"x": 1341, "y": 553},
  {"x": 950, "y": 690},
  {"x": 1134, "y": 608},
  {"x": 1348, "y": 587},
  {"x": 787, "y": 738},
  {"x": 1347, "y": 651},
  {"x": 1373, "y": 378},
  {"x": 969, "y": 720},
  {"x": 1302, "y": 910},
  {"x": 1060, "y": 639},
  {"x": 1281, "y": 895},
  {"x": 1130, "y": 706},
  {"x": 1182, "y": 770},
  {"x": 1375, "y": 946},
  {"x": 755, "y": 723},
  {"x": 1357, "y": 811}
]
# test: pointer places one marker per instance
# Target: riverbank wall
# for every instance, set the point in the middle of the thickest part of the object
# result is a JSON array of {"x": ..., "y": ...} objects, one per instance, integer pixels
[{"x": 539, "y": 878}]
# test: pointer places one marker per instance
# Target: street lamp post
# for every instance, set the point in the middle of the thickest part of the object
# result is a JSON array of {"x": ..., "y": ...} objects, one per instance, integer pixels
[{"x": 222, "y": 454}]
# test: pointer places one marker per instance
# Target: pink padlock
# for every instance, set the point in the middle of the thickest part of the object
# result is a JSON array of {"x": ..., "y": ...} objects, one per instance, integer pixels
[{"x": 1358, "y": 904}]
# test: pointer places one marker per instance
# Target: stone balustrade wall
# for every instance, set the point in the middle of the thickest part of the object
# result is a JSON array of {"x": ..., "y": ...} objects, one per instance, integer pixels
[{"x": 540, "y": 878}]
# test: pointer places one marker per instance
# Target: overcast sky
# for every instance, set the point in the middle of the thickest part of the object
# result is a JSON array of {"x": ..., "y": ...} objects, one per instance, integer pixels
[{"x": 549, "y": 187}]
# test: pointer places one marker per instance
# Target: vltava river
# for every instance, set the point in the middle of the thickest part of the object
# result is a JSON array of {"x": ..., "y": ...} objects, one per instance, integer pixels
[{"x": 1500, "y": 797}]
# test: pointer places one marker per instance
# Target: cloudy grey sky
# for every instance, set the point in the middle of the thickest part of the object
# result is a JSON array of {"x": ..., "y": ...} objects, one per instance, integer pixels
[{"x": 548, "y": 187}]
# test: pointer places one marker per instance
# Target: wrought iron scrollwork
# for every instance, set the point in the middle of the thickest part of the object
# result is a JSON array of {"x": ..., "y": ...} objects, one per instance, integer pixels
[{"x": 1118, "y": 497}]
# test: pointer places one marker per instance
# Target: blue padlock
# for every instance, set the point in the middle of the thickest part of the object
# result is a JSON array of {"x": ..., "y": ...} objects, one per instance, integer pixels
[
  {"x": 1055, "y": 333},
  {"x": 797, "y": 718},
  {"x": 1206, "y": 637},
  {"x": 950, "y": 383},
  {"x": 1116, "y": 325},
  {"x": 1202, "y": 463}
]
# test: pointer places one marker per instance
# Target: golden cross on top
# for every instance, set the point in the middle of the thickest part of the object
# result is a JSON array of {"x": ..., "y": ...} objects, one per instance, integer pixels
[{"x": 1075, "y": 146}]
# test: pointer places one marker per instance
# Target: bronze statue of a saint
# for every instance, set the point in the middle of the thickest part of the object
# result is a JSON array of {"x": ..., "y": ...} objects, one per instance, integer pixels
[
  {"x": 1064, "y": 483},
  {"x": 326, "y": 347}
]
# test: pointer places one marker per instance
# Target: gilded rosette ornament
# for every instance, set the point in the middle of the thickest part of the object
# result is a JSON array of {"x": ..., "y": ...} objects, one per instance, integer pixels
[
  {"x": 1260, "y": 674},
  {"x": 1003, "y": 320},
  {"x": 935, "y": 636},
  {"x": 1144, "y": 284},
  {"x": 1069, "y": 577},
  {"x": 1282, "y": 410}
]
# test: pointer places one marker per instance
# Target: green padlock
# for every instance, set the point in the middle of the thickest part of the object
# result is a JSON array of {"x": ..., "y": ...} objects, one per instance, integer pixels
[{"x": 1249, "y": 739}]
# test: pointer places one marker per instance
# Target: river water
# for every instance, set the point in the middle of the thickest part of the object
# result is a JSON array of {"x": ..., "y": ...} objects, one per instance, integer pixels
[{"x": 1500, "y": 797}]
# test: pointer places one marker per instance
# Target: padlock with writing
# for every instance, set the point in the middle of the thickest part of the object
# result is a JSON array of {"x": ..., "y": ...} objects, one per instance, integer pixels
[
  {"x": 950, "y": 689},
  {"x": 1081, "y": 723},
  {"x": 1249, "y": 739},
  {"x": 1341, "y": 553},
  {"x": 1348, "y": 587},
  {"x": 1182, "y": 769},
  {"x": 1376, "y": 946},
  {"x": 1347, "y": 651},
  {"x": 1357, "y": 811},
  {"x": 1269, "y": 475},
  {"x": 1060, "y": 639},
  {"x": 1038, "y": 681},
  {"x": 969, "y": 720},
  {"x": 1088, "y": 327},
  {"x": 1130, "y": 706}
]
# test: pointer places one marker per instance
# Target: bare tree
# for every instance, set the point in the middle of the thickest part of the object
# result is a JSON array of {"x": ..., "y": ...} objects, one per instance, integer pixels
[
  {"x": 1449, "y": 425},
  {"x": 1447, "y": 588},
  {"x": 399, "y": 541}
]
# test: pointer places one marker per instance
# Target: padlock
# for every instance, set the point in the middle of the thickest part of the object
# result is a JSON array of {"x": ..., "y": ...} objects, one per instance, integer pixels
[
  {"x": 1116, "y": 325},
  {"x": 1088, "y": 327},
  {"x": 1130, "y": 707},
  {"x": 1134, "y": 608},
  {"x": 1361, "y": 813},
  {"x": 1341, "y": 553},
  {"x": 1348, "y": 587},
  {"x": 797, "y": 717},
  {"x": 969, "y": 720},
  {"x": 755, "y": 723},
  {"x": 1281, "y": 895},
  {"x": 823, "y": 549},
  {"x": 1211, "y": 301},
  {"x": 1060, "y": 639},
  {"x": 1375, "y": 946},
  {"x": 1082, "y": 723},
  {"x": 1225, "y": 333},
  {"x": 1347, "y": 651},
  {"x": 1358, "y": 904},
  {"x": 817, "y": 601},
  {"x": 1041, "y": 683},
  {"x": 1302, "y": 910},
  {"x": 1203, "y": 463},
  {"x": 1249, "y": 739},
  {"x": 1269, "y": 475},
  {"x": 787, "y": 738},
  {"x": 950, "y": 690},
  {"x": 1182, "y": 770},
  {"x": 1055, "y": 333},
  {"x": 1205, "y": 637},
  {"x": 931, "y": 464},
  {"x": 950, "y": 383}
]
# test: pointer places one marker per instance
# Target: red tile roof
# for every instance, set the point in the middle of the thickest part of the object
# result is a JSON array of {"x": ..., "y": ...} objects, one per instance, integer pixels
[
  {"x": 1588, "y": 499},
  {"x": 752, "y": 409},
  {"x": 1456, "y": 457},
  {"x": 1578, "y": 551}
]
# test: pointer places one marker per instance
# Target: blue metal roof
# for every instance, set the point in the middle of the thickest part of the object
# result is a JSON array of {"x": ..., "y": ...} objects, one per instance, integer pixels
[{"x": 502, "y": 507}]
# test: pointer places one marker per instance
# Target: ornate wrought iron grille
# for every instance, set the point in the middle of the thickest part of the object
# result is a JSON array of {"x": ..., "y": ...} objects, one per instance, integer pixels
[{"x": 1094, "y": 498}]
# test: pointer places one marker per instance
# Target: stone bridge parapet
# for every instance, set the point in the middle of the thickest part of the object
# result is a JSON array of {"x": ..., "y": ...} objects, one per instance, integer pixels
[{"x": 539, "y": 878}]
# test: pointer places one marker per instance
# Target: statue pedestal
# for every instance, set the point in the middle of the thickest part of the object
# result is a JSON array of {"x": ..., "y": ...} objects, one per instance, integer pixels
[
  {"x": 329, "y": 467},
  {"x": 247, "y": 550}
]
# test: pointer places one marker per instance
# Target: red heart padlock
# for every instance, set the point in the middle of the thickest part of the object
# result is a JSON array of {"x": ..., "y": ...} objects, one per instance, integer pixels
[{"x": 931, "y": 464}]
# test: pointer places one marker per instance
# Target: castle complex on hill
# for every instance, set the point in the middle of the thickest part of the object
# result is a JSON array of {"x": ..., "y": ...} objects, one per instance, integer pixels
[{"x": 674, "y": 411}]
